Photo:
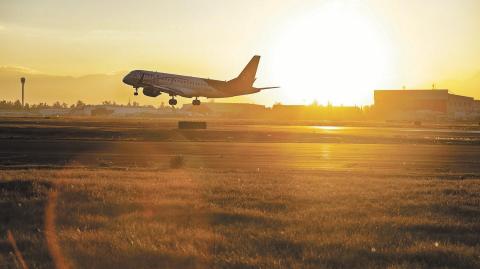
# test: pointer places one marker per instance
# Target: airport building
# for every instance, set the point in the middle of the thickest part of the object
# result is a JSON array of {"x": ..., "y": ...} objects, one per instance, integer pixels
[
  {"x": 120, "y": 111},
  {"x": 242, "y": 110},
  {"x": 316, "y": 112},
  {"x": 423, "y": 104},
  {"x": 476, "y": 107}
]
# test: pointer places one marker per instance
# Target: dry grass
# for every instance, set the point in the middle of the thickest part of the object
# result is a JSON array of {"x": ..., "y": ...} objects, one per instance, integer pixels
[{"x": 237, "y": 219}]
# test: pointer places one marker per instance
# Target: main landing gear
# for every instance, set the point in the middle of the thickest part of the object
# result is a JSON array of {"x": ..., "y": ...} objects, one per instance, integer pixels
[
  {"x": 172, "y": 101},
  {"x": 196, "y": 102}
]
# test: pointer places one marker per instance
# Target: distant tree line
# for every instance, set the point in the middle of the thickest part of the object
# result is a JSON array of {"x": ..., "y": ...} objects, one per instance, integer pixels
[{"x": 17, "y": 105}]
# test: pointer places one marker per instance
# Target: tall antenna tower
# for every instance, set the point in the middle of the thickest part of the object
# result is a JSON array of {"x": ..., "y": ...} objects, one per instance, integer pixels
[{"x": 22, "y": 80}]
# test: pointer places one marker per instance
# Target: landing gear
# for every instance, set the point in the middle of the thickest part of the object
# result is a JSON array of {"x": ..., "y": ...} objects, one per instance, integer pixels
[
  {"x": 172, "y": 101},
  {"x": 136, "y": 92},
  {"x": 196, "y": 102}
]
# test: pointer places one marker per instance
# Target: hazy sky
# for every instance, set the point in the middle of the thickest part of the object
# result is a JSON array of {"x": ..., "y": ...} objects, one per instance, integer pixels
[{"x": 336, "y": 51}]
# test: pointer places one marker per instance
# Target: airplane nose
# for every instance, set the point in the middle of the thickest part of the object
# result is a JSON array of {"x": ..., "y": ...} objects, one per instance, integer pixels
[{"x": 125, "y": 79}]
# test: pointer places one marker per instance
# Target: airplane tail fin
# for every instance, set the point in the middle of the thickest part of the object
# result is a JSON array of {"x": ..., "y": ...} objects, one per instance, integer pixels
[{"x": 248, "y": 74}]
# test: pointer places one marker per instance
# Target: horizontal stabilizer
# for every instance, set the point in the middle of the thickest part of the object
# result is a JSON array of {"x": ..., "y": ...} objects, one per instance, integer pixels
[{"x": 267, "y": 88}]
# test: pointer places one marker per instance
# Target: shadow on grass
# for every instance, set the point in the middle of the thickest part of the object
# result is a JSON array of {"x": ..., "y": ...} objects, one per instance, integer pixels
[
  {"x": 22, "y": 207},
  {"x": 142, "y": 259},
  {"x": 258, "y": 241},
  {"x": 226, "y": 218},
  {"x": 340, "y": 256},
  {"x": 123, "y": 230}
]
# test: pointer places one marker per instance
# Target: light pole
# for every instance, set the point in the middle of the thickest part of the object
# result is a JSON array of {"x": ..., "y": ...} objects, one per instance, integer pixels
[{"x": 22, "y": 80}]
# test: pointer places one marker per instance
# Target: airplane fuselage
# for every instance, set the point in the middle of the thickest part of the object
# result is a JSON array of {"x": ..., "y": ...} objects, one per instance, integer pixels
[
  {"x": 184, "y": 86},
  {"x": 156, "y": 83}
]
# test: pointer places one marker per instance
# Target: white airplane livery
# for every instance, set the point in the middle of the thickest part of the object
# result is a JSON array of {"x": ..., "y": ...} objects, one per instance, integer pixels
[{"x": 154, "y": 83}]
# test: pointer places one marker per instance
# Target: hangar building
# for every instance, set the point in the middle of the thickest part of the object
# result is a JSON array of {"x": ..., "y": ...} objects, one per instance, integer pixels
[{"x": 430, "y": 104}]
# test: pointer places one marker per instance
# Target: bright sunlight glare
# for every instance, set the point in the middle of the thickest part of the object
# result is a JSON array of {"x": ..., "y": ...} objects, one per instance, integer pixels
[{"x": 334, "y": 55}]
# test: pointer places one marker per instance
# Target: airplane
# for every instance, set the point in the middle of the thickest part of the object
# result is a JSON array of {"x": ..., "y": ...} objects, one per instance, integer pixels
[{"x": 154, "y": 83}]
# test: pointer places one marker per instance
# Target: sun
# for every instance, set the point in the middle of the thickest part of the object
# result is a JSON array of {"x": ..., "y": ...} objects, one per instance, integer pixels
[{"x": 333, "y": 55}]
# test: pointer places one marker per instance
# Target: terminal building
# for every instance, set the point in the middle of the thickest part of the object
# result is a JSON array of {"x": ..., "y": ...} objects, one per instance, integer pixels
[
  {"x": 241, "y": 110},
  {"x": 477, "y": 107},
  {"x": 424, "y": 104}
]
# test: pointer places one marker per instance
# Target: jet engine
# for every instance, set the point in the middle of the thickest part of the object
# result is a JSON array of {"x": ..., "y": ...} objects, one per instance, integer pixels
[{"x": 152, "y": 92}]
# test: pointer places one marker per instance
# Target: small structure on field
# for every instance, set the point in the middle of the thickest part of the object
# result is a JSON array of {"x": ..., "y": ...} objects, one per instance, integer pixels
[{"x": 192, "y": 125}]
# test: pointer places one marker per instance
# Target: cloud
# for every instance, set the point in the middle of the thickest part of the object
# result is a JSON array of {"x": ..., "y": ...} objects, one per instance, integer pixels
[{"x": 18, "y": 69}]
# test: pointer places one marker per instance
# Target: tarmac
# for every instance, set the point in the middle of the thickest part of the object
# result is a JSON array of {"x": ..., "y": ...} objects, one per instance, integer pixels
[{"x": 126, "y": 145}]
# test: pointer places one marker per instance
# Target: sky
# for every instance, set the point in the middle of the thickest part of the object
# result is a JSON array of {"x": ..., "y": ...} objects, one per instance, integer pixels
[{"x": 325, "y": 51}]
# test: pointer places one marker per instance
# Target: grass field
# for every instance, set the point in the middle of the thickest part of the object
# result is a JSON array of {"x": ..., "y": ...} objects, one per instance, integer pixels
[{"x": 240, "y": 205}]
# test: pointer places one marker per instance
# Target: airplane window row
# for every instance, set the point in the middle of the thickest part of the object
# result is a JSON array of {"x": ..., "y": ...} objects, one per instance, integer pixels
[
  {"x": 185, "y": 82},
  {"x": 170, "y": 80}
]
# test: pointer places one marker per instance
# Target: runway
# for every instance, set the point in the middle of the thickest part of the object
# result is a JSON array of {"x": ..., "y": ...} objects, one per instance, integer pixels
[{"x": 151, "y": 146}]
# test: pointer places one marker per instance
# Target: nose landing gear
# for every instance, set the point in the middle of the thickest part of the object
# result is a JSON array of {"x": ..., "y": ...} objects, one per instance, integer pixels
[
  {"x": 196, "y": 102},
  {"x": 136, "y": 92}
]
